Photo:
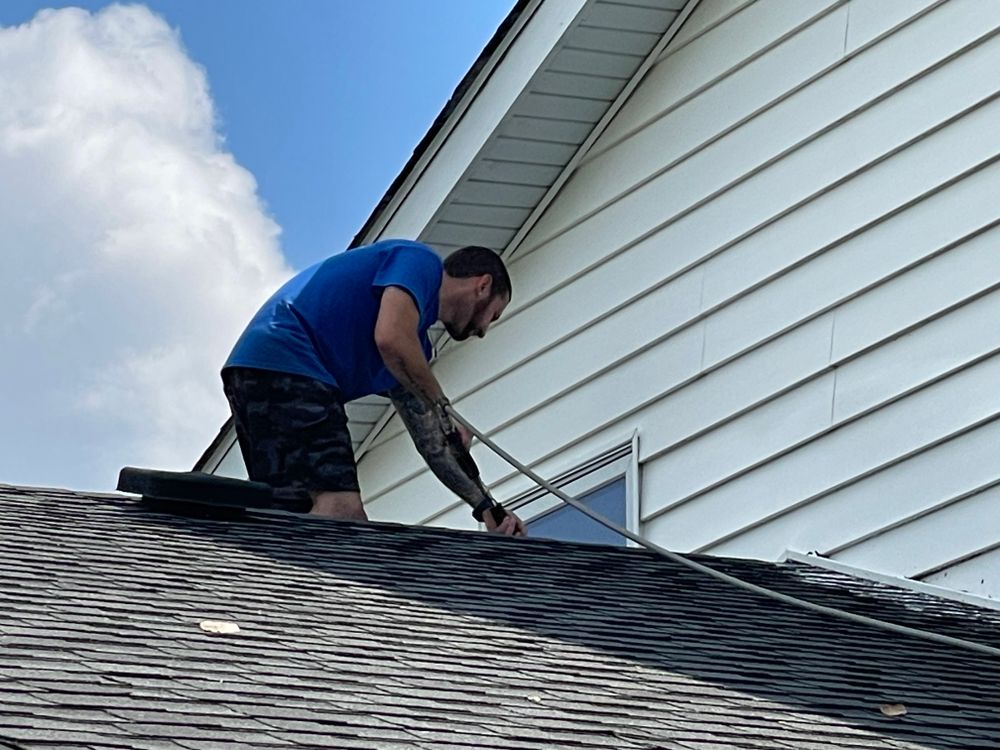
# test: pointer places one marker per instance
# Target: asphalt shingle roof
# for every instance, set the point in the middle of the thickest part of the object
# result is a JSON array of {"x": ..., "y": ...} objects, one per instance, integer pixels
[{"x": 385, "y": 636}]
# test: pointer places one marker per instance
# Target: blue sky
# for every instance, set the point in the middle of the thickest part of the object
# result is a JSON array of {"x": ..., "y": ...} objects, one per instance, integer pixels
[
  {"x": 163, "y": 168},
  {"x": 322, "y": 100}
]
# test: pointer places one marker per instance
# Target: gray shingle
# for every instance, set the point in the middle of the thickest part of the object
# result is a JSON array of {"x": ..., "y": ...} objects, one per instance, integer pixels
[{"x": 374, "y": 636}]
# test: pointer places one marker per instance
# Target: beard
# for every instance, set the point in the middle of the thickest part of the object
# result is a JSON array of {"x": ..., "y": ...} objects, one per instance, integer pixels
[
  {"x": 469, "y": 329},
  {"x": 459, "y": 334}
]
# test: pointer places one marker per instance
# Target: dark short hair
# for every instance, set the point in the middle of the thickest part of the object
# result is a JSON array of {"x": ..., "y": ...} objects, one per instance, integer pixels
[{"x": 475, "y": 261}]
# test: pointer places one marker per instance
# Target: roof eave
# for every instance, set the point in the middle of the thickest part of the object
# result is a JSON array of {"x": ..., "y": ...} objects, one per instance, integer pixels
[{"x": 449, "y": 117}]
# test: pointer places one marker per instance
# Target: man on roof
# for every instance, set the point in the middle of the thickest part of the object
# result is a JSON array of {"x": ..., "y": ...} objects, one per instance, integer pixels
[{"x": 353, "y": 325}]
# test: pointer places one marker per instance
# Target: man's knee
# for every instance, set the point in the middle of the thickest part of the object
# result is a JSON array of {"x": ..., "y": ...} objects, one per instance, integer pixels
[{"x": 344, "y": 505}]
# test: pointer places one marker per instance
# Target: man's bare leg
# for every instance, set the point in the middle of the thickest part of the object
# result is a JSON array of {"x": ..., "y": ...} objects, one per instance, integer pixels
[{"x": 344, "y": 505}]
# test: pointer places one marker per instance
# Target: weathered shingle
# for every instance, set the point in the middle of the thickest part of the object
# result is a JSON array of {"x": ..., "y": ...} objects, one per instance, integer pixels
[{"x": 386, "y": 636}]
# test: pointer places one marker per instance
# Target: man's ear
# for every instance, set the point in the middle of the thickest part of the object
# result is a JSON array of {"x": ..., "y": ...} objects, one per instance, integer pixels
[{"x": 484, "y": 285}]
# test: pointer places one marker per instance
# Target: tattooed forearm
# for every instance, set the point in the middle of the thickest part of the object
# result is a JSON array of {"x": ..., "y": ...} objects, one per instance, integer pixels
[
  {"x": 414, "y": 385},
  {"x": 427, "y": 427}
]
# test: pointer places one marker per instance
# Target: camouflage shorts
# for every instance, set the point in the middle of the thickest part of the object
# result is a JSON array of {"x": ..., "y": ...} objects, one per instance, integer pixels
[{"x": 292, "y": 430}]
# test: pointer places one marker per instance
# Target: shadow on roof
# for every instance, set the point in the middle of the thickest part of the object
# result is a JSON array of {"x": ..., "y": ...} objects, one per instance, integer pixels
[{"x": 636, "y": 608}]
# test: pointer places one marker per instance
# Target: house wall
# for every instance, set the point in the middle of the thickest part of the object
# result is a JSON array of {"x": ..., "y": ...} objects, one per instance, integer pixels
[{"x": 781, "y": 265}]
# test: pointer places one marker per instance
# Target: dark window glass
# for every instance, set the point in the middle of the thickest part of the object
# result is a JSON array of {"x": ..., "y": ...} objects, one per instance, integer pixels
[{"x": 568, "y": 524}]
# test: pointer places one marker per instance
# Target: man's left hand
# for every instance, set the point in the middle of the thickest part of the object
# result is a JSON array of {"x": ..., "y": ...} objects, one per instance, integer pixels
[{"x": 511, "y": 526}]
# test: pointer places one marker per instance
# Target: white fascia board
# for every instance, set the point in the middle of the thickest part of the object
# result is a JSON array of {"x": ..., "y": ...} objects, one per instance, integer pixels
[
  {"x": 472, "y": 124},
  {"x": 891, "y": 580}
]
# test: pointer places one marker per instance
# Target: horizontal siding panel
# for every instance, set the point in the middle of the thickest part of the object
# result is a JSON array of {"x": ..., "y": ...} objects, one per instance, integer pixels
[
  {"x": 931, "y": 351},
  {"x": 823, "y": 160},
  {"x": 559, "y": 316},
  {"x": 830, "y": 518},
  {"x": 681, "y": 245},
  {"x": 977, "y": 576},
  {"x": 844, "y": 88},
  {"x": 842, "y": 271},
  {"x": 582, "y": 411},
  {"x": 762, "y": 200},
  {"x": 706, "y": 16},
  {"x": 862, "y": 446},
  {"x": 959, "y": 337},
  {"x": 810, "y": 170},
  {"x": 695, "y": 123},
  {"x": 896, "y": 199},
  {"x": 723, "y": 394},
  {"x": 410, "y": 502},
  {"x": 740, "y": 444},
  {"x": 861, "y": 384},
  {"x": 833, "y": 276},
  {"x": 590, "y": 350},
  {"x": 365, "y": 412},
  {"x": 872, "y": 18},
  {"x": 710, "y": 56},
  {"x": 940, "y": 283},
  {"x": 358, "y": 431},
  {"x": 459, "y": 517},
  {"x": 933, "y": 540}
]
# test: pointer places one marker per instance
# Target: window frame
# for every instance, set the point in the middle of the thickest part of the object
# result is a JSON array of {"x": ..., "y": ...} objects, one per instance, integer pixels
[{"x": 619, "y": 459}]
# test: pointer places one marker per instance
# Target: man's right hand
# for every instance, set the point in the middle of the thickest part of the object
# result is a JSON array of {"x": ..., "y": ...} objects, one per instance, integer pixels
[{"x": 511, "y": 526}]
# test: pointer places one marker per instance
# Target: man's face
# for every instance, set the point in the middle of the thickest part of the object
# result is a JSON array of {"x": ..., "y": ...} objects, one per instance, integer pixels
[{"x": 479, "y": 312}]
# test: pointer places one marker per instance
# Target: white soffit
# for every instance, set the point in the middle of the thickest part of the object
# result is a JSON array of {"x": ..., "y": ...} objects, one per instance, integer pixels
[
  {"x": 490, "y": 171},
  {"x": 545, "y": 124}
]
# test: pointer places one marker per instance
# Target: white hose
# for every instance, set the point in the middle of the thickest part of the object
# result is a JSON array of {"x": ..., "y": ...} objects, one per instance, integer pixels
[{"x": 725, "y": 577}]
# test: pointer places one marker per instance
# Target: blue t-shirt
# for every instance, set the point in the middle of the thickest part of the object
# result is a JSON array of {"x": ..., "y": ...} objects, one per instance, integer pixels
[{"x": 321, "y": 323}]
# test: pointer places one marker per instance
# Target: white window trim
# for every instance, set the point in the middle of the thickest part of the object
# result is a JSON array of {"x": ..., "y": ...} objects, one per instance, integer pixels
[
  {"x": 632, "y": 485},
  {"x": 620, "y": 459}
]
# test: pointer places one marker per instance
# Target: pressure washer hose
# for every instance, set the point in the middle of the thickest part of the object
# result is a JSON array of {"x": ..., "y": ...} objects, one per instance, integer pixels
[{"x": 719, "y": 575}]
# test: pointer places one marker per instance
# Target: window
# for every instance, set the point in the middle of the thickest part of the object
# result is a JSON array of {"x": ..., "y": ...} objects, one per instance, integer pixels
[
  {"x": 567, "y": 523},
  {"x": 607, "y": 484}
]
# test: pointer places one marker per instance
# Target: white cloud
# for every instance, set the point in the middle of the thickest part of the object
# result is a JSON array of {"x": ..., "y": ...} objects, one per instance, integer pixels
[{"x": 133, "y": 249}]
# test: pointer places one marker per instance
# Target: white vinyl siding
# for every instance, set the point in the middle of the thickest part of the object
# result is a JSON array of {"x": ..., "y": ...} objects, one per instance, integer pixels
[
  {"x": 781, "y": 264},
  {"x": 970, "y": 574}
]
